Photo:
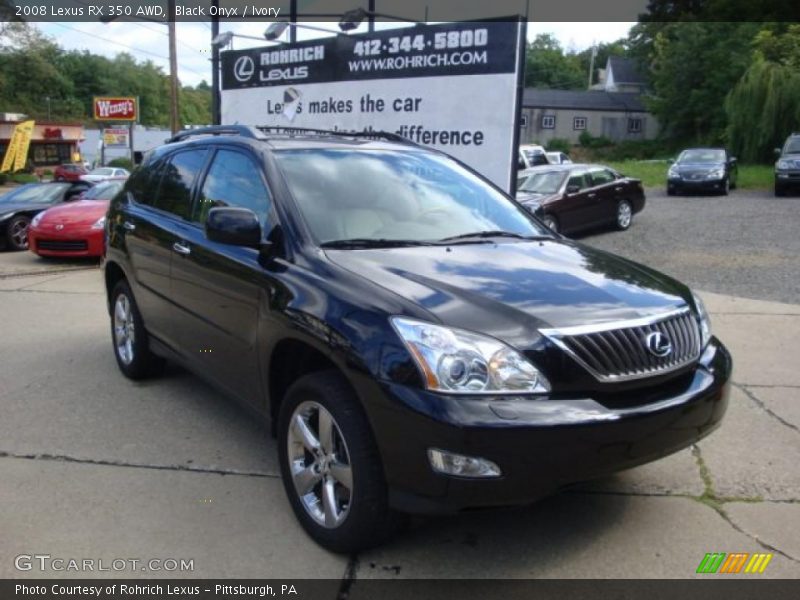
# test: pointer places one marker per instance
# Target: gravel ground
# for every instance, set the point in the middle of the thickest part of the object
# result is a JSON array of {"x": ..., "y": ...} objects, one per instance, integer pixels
[{"x": 746, "y": 244}]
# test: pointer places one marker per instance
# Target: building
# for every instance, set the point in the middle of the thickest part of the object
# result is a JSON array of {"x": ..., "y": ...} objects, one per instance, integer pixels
[
  {"x": 621, "y": 75},
  {"x": 566, "y": 114},
  {"x": 51, "y": 143}
]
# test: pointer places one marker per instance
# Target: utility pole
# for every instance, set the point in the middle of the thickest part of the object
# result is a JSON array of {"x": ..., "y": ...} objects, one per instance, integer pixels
[
  {"x": 174, "y": 121},
  {"x": 591, "y": 67},
  {"x": 215, "y": 93}
]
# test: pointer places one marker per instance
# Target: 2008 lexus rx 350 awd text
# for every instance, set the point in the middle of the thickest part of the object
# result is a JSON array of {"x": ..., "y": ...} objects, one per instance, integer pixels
[{"x": 419, "y": 341}]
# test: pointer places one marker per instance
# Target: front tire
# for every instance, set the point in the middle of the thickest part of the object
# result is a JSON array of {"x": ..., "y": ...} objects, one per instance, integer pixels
[
  {"x": 331, "y": 467},
  {"x": 624, "y": 215},
  {"x": 780, "y": 190},
  {"x": 551, "y": 222},
  {"x": 17, "y": 232},
  {"x": 726, "y": 186},
  {"x": 130, "y": 339}
]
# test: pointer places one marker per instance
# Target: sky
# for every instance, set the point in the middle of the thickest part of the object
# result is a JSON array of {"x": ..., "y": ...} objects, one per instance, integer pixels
[{"x": 149, "y": 40}]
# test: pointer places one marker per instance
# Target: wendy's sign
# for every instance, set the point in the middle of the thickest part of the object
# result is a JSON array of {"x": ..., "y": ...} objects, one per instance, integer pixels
[{"x": 114, "y": 108}]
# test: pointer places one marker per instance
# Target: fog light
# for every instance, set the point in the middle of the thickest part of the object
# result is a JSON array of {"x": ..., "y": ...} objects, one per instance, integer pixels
[{"x": 460, "y": 465}]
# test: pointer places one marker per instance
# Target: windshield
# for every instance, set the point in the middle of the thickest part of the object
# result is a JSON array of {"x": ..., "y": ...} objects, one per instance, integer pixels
[
  {"x": 394, "y": 195},
  {"x": 702, "y": 156},
  {"x": 36, "y": 192},
  {"x": 792, "y": 146},
  {"x": 546, "y": 182},
  {"x": 103, "y": 171},
  {"x": 104, "y": 191}
]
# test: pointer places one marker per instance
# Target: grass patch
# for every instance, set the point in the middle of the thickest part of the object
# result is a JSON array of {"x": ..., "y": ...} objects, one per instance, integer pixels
[{"x": 654, "y": 174}]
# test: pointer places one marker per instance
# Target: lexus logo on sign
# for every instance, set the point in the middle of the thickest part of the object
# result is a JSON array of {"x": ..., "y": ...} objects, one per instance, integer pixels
[
  {"x": 658, "y": 344},
  {"x": 243, "y": 68}
]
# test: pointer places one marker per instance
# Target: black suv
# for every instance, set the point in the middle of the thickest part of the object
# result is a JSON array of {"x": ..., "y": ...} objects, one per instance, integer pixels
[
  {"x": 787, "y": 167},
  {"x": 419, "y": 341}
]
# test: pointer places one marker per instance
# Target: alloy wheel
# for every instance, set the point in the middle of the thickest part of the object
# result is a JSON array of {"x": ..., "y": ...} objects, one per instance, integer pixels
[
  {"x": 319, "y": 463},
  {"x": 624, "y": 215},
  {"x": 19, "y": 234},
  {"x": 124, "y": 331}
]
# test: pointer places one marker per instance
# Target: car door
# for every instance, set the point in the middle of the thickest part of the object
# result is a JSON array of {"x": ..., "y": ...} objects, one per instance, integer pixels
[
  {"x": 604, "y": 194},
  {"x": 570, "y": 209},
  {"x": 218, "y": 288},
  {"x": 160, "y": 202}
]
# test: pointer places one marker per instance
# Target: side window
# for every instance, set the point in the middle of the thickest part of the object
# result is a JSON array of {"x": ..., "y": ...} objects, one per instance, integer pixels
[
  {"x": 578, "y": 179},
  {"x": 601, "y": 177},
  {"x": 143, "y": 182},
  {"x": 175, "y": 192},
  {"x": 233, "y": 180}
]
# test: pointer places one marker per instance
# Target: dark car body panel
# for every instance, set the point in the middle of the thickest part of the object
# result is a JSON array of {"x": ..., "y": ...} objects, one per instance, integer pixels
[
  {"x": 228, "y": 313},
  {"x": 692, "y": 176},
  {"x": 788, "y": 178},
  {"x": 593, "y": 206}
]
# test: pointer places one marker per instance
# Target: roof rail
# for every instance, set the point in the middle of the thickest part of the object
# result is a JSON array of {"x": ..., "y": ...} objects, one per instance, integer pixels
[
  {"x": 242, "y": 130},
  {"x": 378, "y": 135}
]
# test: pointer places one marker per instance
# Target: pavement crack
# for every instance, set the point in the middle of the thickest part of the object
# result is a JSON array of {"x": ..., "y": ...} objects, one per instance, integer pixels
[
  {"x": 118, "y": 463},
  {"x": 764, "y": 407},
  {"x": 717, "y": 504},
  {"x": 348, "y": 578}
]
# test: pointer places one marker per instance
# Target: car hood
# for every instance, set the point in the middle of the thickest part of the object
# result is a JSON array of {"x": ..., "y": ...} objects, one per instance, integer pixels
[
  {"x": 693, "y": 167},
  {"x": 15, "y": 207},
  {"x": 80, "y": 212},
  {"x": 511, "y": 289},
  {"x": 535, "y": 198}
]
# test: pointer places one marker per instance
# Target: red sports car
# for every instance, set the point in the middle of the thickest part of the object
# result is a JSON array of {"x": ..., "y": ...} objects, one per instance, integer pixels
[{"x": 74, "y": 229}]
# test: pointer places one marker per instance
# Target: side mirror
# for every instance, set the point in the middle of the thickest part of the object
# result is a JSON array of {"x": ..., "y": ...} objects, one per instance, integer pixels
[
  {"x": 732, "y": 160},
  {"x": 234, "y": 226},
  {"x": 777, "y": 151},
  {"x": 573, "y": 189},
  {"x": 670, "y": 161}
]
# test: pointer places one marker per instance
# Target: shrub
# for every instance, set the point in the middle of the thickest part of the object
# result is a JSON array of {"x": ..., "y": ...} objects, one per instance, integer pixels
[
  {"x": 587, "y": 140},
  {"x": 3, "y": 178},
  {"x": 121, "y": 163},
  {"x": 559, "y": 145},
  {"x": 24, "y": 178}
]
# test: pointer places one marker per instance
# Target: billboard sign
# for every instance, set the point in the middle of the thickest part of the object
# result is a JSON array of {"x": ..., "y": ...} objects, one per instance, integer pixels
[
  {"x": 117, "y": 137},
  {"x": 114, "y": 108},
  {"x": 452, "y": 86}
]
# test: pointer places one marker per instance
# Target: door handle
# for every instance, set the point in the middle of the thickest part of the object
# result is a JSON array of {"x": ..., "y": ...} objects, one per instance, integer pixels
[
  {"x": 181, "y": 248},
  {"x": 592, "y": 195},
  {"x": 618, "y": 189},
  {"x": 127, "y": 225}
]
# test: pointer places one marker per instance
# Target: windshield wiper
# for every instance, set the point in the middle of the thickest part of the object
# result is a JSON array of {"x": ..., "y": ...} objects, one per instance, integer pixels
[
  {"x": 372, "y": 243},
  {"x": 491, "y": 234}
]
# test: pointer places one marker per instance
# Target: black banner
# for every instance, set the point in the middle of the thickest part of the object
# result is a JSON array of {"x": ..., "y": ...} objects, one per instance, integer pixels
[{"x": 469, "y": 48}]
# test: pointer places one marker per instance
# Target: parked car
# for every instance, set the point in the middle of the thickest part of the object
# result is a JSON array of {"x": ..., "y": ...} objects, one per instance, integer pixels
[
  {"x": 572, "y": 197},
  {"x": 787, "y": 167},
  {"x": 558, "y": 158},
  {"x": 69, "y": 172},
  {"x": 702, "y": 170},
  {"x": 74, "y": 229},
  {"x": 531, "y": 155},
  {"x": 419, "y": 342},
  {"x": 105, "y": 173},
  {"x": 22, "y": 204}
]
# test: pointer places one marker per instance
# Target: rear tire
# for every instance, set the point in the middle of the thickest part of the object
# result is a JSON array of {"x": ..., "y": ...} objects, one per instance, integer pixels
[
  {"x": 17, "y": 233},
  {"x": 341, "y": 519},
  {"x": 624, "y": 215},
  {"x": 129, "y": 336}
]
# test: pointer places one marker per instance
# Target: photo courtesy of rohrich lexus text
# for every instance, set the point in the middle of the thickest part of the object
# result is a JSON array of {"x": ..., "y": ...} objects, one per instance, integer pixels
[{"x": 326, "y": 301}]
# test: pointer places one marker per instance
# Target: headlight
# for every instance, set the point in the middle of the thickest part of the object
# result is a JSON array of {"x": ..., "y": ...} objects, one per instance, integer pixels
[
  {"x": 783, "y": 164},
  {"x": 705, "y": 321},
  {"x": 35, "y": 220},
  {"x": 100, "y": 223},
  {"x": 716, "y": 174},
  {"x": 672, "y": 172},
  {"x": 457, "y": 361}
]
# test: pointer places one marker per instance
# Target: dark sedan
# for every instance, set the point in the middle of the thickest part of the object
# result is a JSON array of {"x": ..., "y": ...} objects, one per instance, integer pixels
[
  {"x": 19, "y": 206},
  {"x": 573, "y": 197},
  {"x": 702, "y": 170}
]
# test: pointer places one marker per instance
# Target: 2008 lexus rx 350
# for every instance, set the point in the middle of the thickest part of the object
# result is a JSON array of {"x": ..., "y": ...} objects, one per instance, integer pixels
[{"x": 419, "y": 341}]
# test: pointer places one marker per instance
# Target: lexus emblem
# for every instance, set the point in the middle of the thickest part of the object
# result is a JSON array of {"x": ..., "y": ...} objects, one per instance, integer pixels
[
  {"x": 658, "y": 344},
  {"x": 243, "y": 68},
  {"x": 59, "y": 227}
]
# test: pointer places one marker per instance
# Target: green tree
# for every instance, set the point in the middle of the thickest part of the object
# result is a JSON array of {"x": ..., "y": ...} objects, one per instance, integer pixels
[
  {"x": 764, "y": 106},
  {"x": 548, "y": 66}
]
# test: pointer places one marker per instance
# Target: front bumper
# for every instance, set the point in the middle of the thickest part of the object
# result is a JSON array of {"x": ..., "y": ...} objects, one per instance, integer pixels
[
  {"x": 540, "y": 445},
  {"x": 68, "y": 244},
  {"x": 698, "y": 185},
  {"x": 787, "y": 179}
]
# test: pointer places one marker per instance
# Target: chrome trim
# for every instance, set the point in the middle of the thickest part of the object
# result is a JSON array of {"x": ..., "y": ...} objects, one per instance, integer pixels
[{"x": 613, "y": 337}]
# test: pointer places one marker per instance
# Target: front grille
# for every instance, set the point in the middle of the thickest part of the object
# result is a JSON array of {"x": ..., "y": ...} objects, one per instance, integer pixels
[
  {"x": 63, "y": 245},
  {"x": 619, "y": 351}
]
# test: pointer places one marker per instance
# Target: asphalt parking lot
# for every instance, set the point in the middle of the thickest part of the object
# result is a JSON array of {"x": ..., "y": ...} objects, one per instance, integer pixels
[{"x": 95, "y": 466}]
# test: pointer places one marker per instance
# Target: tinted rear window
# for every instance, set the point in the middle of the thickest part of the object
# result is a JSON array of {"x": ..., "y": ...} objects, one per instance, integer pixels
[{"x": 180, "y": 173}]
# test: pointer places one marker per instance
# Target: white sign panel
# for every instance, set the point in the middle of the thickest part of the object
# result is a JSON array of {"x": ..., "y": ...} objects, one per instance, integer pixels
[{"x": 452, "y": 86}]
